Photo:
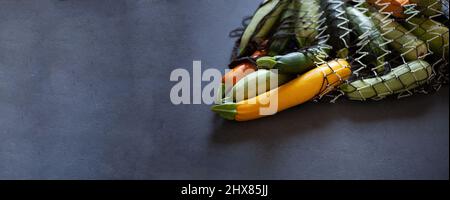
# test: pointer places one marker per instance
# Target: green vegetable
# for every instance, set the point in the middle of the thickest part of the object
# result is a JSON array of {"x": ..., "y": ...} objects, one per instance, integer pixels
[
  {"x": 306, "y": 58},
  {"x": 308, "y": 23},
  {"x": 410, "y": 47},
  {"x": 297, "y": 62},
  {"x": 433, "y": 32},
  {"x": 314, "y": 83},
  {"x": 402, "y": 78},
  {"x": 261, "y": 24},
  {"x": 284, "y": 34},
  {"x": 250, "y": 86},
  {"x": 369, "y": 33},
  {"x": 338, "y": 26},
  {"x": 428, "y": 7}
]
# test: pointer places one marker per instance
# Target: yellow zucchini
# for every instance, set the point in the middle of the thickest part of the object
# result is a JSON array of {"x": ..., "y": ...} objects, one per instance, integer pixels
[{"x": 317, "y": 81}]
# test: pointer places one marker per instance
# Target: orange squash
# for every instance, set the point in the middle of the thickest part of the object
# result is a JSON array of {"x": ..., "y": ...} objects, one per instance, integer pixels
[{"x": 392, "y": 6}]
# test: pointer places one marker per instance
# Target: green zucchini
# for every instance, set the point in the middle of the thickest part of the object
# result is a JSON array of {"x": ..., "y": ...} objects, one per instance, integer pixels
[
  {"x": 296, "y": 62},
  {"x": 409, "y": 46},
  {"x": 402, "y": 78},
  {"x": 250, "y": 86},
  {"x": 337, "y": 26},
  {"x": 367, "y": 31},
  {"x": 306, "y": 58},
  {"x": 428, "y": 7},
  {"x": 285, "y": 32},
  {"x": 308, "y": 23},
  {"x": 433, "y": 32},
  {"x": 261, "y": 24}
]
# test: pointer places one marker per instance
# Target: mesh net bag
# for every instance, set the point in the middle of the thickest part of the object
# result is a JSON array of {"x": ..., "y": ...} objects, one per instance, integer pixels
[
  {"x": 415, "y": 51},
  {"x": 394, "y": 47}
]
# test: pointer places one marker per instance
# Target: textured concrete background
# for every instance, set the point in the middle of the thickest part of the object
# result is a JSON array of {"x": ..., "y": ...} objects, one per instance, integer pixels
[{"x": 84, "y": 94}]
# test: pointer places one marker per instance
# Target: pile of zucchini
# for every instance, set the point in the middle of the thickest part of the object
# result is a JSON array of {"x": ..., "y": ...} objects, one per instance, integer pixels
[{"x": 363, "y": 49}]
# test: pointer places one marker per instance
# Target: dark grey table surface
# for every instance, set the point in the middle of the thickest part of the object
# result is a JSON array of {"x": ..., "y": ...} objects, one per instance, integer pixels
[{"x": 84, "y": 94}]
